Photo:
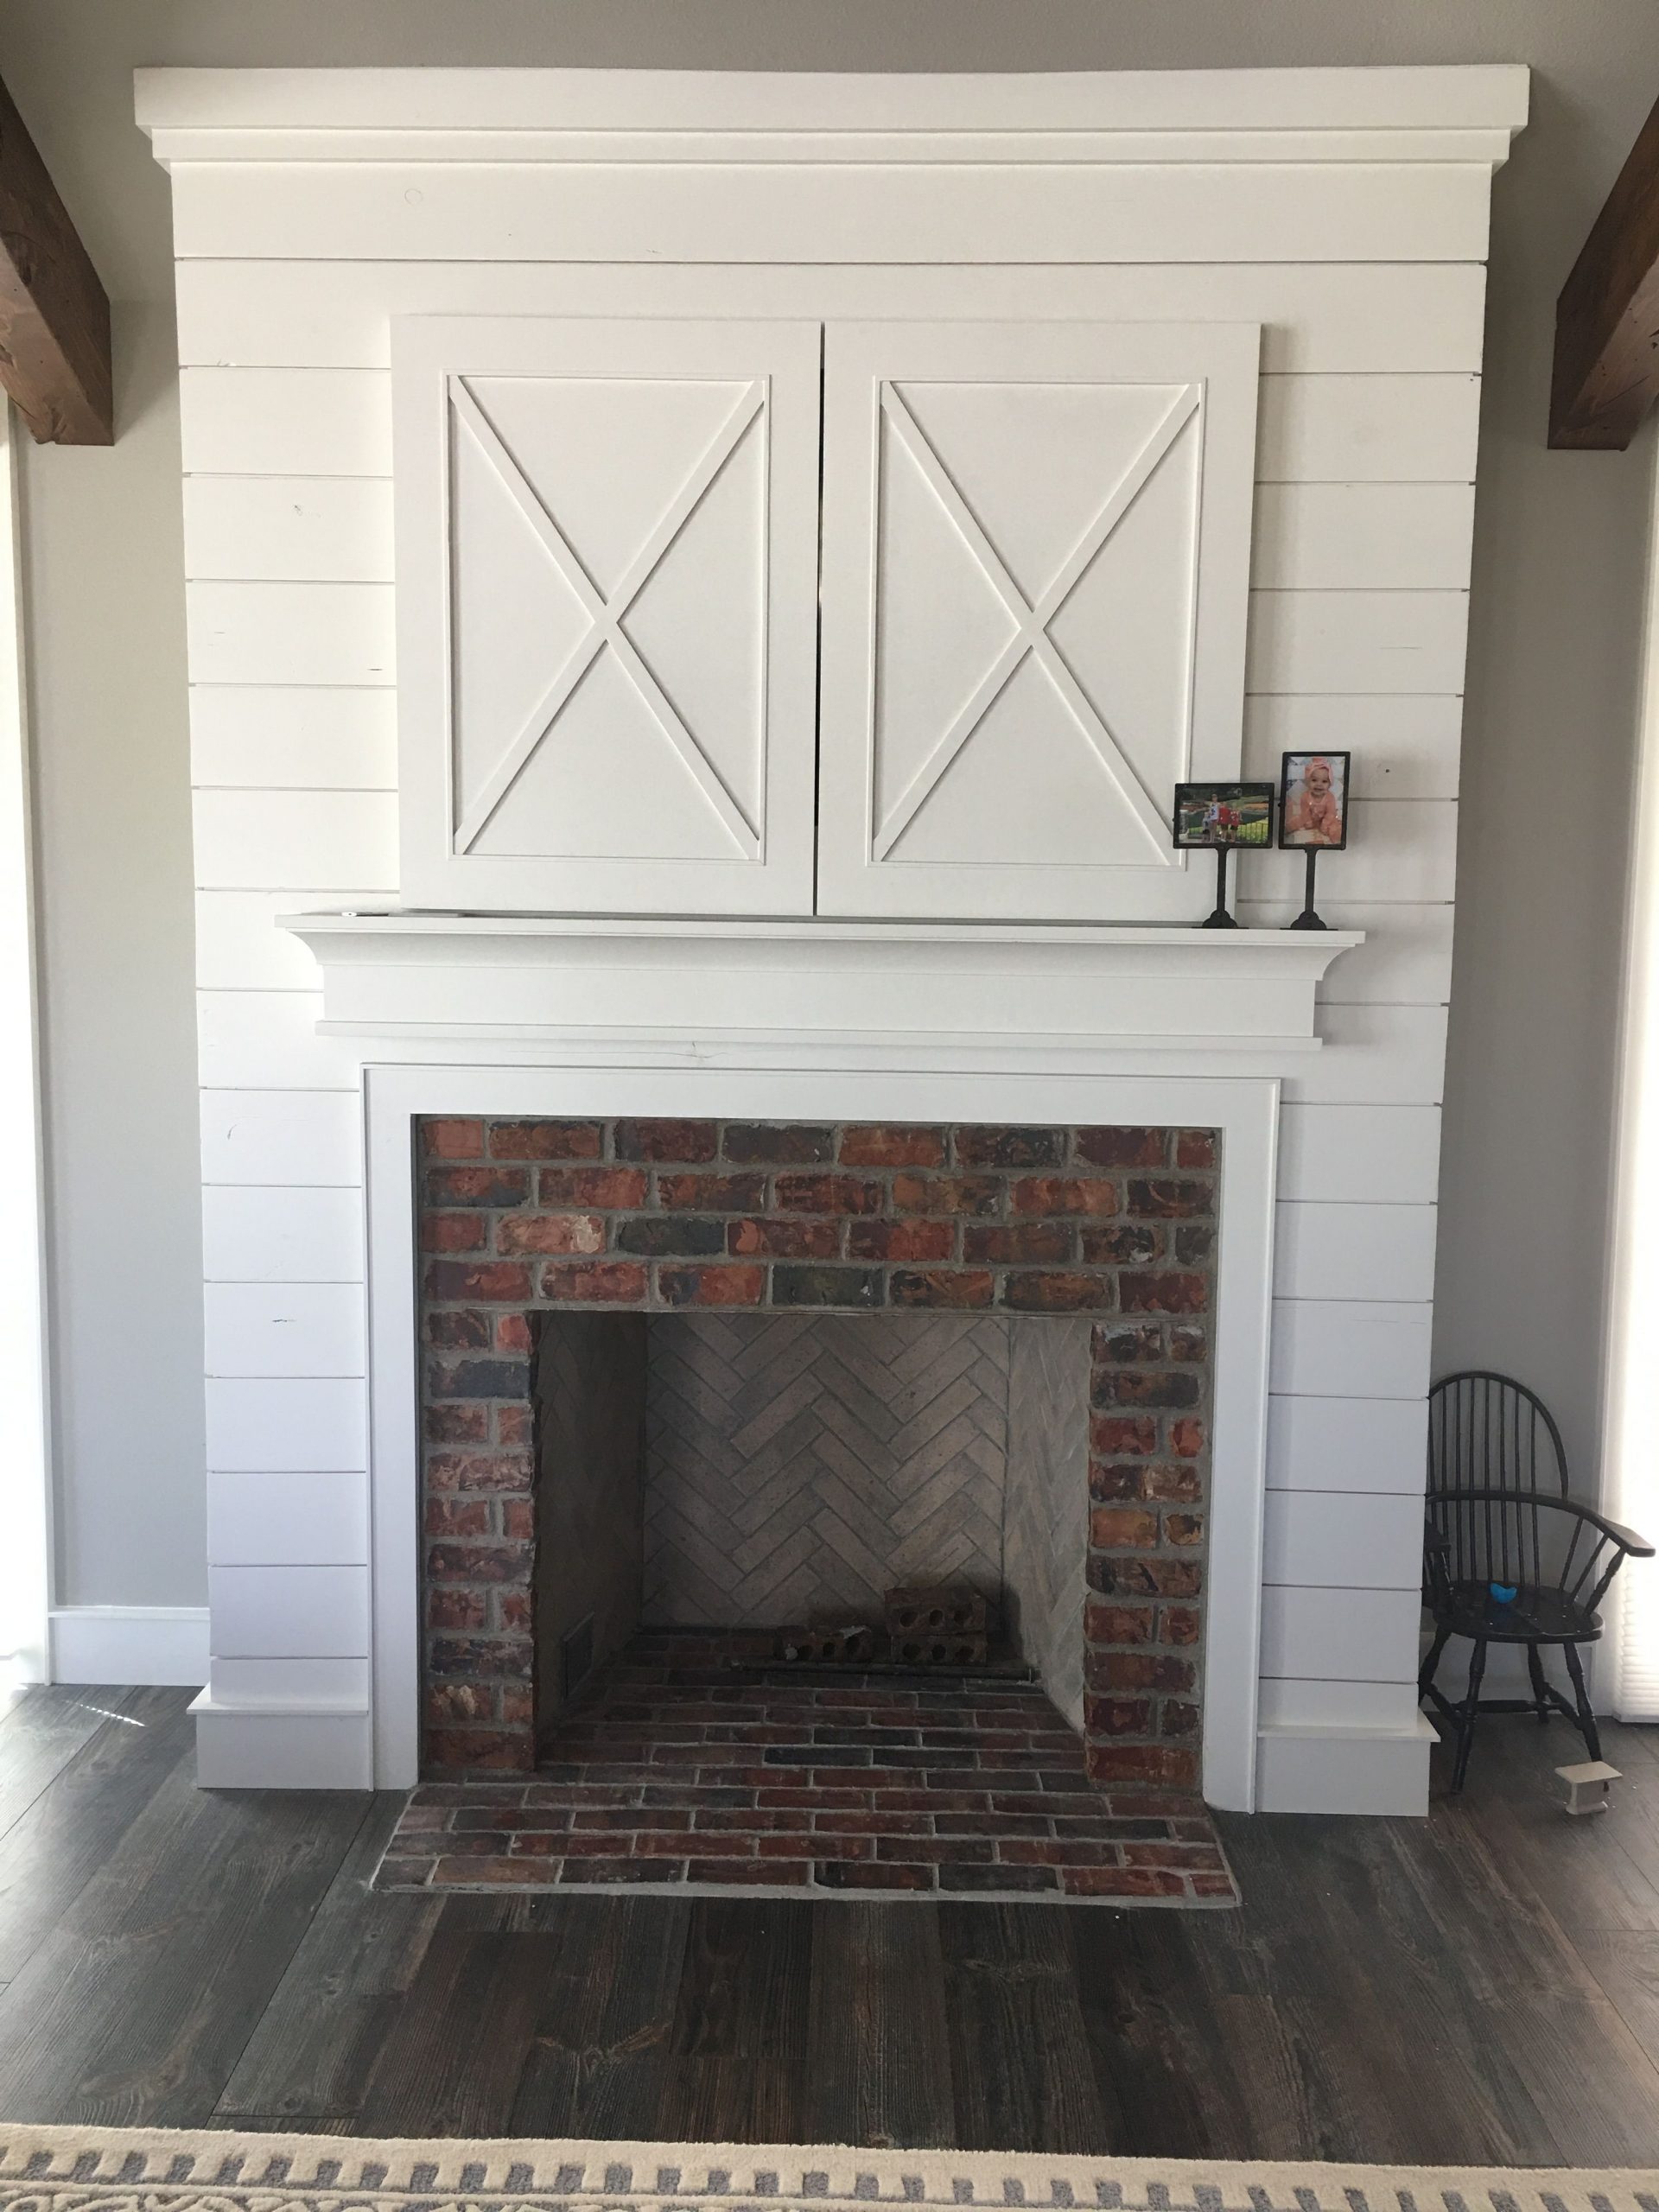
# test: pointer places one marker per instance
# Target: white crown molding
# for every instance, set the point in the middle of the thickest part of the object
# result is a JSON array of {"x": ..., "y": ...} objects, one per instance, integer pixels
[{"x": 1456, "y": 114}]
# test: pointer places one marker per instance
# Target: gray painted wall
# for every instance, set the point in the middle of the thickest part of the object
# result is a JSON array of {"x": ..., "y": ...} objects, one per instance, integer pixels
[{"x": 1558, "y": 557}]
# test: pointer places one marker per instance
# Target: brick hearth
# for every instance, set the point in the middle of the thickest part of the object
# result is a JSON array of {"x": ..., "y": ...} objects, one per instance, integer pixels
[
  {"x": 684, "y": 1774},
  {"x": 520, "y": 1220}
]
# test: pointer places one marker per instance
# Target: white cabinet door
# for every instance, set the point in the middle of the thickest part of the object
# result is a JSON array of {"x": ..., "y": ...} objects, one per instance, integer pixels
[
  {"x": 1035, "y": 563},
  {"x": 606, "y": 613}
]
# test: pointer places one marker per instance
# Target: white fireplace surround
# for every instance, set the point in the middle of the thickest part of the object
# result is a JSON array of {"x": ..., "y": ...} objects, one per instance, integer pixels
[{"x": 1343, "y": 213}]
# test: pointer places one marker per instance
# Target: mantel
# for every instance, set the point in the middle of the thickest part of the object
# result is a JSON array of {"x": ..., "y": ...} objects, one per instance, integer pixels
[{"x": 705, "y": 987}]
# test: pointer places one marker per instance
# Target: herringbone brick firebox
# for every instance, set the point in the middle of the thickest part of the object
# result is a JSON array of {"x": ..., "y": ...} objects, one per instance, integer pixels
[{"x": 1020, "y": 1234}]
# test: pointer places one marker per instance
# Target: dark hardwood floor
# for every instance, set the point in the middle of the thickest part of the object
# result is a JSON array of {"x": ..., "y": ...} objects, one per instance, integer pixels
[{"x": 1482, "y": 1987}]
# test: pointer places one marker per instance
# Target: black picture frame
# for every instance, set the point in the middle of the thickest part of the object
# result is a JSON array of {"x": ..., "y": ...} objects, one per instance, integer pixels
[
  {"x": 1190, "y": 796},
  {"x": 1341, "y": 765}
]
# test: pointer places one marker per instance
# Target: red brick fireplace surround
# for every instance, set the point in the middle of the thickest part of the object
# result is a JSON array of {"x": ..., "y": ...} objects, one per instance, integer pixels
[{"x": 520, "y": 1220}]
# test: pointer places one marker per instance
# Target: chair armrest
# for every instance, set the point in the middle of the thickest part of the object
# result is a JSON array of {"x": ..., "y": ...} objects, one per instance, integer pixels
[{"x": 1627, "y": 1539}]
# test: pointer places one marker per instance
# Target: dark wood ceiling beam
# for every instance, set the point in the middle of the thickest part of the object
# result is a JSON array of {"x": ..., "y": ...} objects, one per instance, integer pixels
[
  {"x": 1606, "y": 373},
  {"x": 54, "y": 314}
]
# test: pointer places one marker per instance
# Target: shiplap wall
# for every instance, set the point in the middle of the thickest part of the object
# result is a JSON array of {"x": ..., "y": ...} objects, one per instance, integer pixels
[{"x": 1367, "y": 446}]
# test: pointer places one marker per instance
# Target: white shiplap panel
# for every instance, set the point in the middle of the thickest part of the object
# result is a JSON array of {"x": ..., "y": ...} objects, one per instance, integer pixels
[
  {"x": 1335, "y": 1636},
  {"x": 1317, "y": 319},
  {"x": 1375, "y": 1055},
  {"x": 1372, "y": 1251},
  {"x": 319, "y": 211},
  {"x": 290, "y": 634},
  {"x": 1369, "y": 429},
  {"x": 1359, "y": 1444},
  {"x": 282, "y": 1613},
  {"x": 1403, "y": 747},
  {"x": 1375, "y": 1153},
  {"x": 292, "y": 529},
  {"x": 1402, "y": 850},
  {"x": 1362, "y": 536},
  {"x": 314, "y": 1684},
  {"x": 285, "y": 421},
  {"x": 265, "y": 1423},
  {"x": 1350, "y": 1349},
  {"x": 1332, "y": 1706},
  {"x": 239, "y": 945},
  {"x": 284, "y": 737},
  {"x": 1406, "y": 959},
  {"x": 256, "y": 1235},
  {"x": 295, "y": 1328},
  {"x": 1357, "y": 641},
  {"x": 308, "y": 1137},
  {"x": 1350, "y": 1539},
  {"x": 268, "y": 1040},
  {"x": 295, "y": 840},
  {"x": 297, "y": 1518}
]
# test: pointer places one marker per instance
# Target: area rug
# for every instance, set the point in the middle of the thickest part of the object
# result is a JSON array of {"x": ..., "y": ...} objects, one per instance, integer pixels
[{"x": 157, "y": 2170}]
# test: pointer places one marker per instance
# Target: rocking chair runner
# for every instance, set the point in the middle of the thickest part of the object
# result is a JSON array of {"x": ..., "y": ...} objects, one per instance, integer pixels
[{"x": 1509, "y": 1557}]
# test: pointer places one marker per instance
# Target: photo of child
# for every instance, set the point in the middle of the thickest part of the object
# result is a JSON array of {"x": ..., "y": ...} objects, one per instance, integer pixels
[
  {"x": 1313, "y": 801},
  {"x": 1212, "y": 815}
]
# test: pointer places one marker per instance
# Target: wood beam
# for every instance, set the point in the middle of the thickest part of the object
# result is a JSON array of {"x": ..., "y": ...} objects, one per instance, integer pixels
[
  {"x": 1606, "y": 373},
  {"x": 54, "y": 314}
]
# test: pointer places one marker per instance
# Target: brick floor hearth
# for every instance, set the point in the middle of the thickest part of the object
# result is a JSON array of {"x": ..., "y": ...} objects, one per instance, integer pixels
[{"x": 684, "y": 1771}]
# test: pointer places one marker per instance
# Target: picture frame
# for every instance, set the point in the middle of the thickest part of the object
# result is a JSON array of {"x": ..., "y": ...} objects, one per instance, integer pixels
[
  {"x": 1313, "y": 815},
  {"x": 1231, "y": 817}
]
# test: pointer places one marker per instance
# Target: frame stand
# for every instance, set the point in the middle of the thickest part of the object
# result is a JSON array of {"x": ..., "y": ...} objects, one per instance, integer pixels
[
  {"x": 1221, "y": 919},
  {"x": 1307, "y": 919}
]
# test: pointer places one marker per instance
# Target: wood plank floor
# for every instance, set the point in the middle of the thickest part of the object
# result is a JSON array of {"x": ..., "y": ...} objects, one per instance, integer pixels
[{"x": 1480, "y": 1986}]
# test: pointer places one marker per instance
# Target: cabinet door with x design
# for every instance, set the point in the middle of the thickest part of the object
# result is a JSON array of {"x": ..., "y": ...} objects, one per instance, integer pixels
[
  {"x": 1034, "y": 580},
  {"x": 606, "y": 613}
]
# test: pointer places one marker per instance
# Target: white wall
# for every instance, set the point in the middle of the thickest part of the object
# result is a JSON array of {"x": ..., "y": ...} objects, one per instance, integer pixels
[{"x": 1556, "y": 587}]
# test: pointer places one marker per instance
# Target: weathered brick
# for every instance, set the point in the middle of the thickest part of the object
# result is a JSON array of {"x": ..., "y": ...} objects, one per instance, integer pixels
[
  {"x": 963, "y": 1195},
  {"x": 1137, "y": 1671},
  {"x": 477, "y": 1562},
  {"x": 1116, "y": 1480},
  {"x": 1178, "y": 1718},
  {"x": 452, "y": 1605},
  {"x": 519, "y": 1519},
  {"x": 547, "y": 1139},
  {"x": 1110, "y": 1147},
  {"x": 477, "y": 1186},
  {"x": 601, "y": 1282},
  {"x": 464, "y": 1281},
  {"x": 992, "y": 1144},
  {"x": 479, "y": 1471},
  {"x": 452, "y": 1140},
  {"x": 717, "y": 1286},
  {"x": 1186, "y": 1438},
  {"x": 1175, "y": 1484},
  {"x": 1184, "y": 1529},
  {"x": 1195, "y": 1244},
  {"x": 1110, "y": 1434},
  {"x": 611, "y": 1189},
  {"x": 666, "y": 1140},
  {"x": 778, "y": 1144},
  {"x": 901, "y": 1240},
  {"x": 1114, "y": 1528},
  {"x": 783, "y": 1240},
  {"x": 1162, "y": 1293},
  {"x": 1179, "y": 1625},
  {"x": 457, "y": 1516},
  {"x": 1195, "y": 1147},
  {"x": 1026, "y": 1241},
  {"x": 889, "y": 1145},
  {"x": 549, "y": 1232},
  {"x": 1142, "y": 1575},
  {"x": 826, "y": 1286},
  {"x": 510, "y": 1425},
  {"x": 1131, "y": 1386},
  {"x": 477, "y": 1378},
  {"x": 1035, "y": 1291},
  {"x": 1190, "y": 1341},
  {"x": 445, "y": 1703},
  {"x": 831, "y": 1194},
  {"x": 481, "y": 1751},
  {"x": 1120, "y": 1243},
  {"x": 712, "y": 1193},
  {"x": 658, "y": 1236},
  {"x": 1166, "y": 1198},
  {"x": 456, "y": 1424},
  {"x": 1116, "y": 1716},
  {"x": 1093, "y": 1195},
  {"x": 482, "y": 1656},
  {"x": 1104, "y": 1623},
  {"x": 463, "y": 1331},
  {"x": 512, "y": 1332},
  {"x": 964, "y": 1288},
  {"x": 1130, "y": 1345},
  {"x": 453, "y": 1232}
]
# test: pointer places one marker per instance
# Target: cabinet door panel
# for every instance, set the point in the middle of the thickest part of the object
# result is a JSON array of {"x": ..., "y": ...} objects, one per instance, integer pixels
[
  {"x": 1035, "y": 563},
  {"x": 606, "y": 554}
]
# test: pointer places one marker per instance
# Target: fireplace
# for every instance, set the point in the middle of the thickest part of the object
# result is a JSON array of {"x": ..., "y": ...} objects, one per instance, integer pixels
[{"x": 727, "y": 1378}]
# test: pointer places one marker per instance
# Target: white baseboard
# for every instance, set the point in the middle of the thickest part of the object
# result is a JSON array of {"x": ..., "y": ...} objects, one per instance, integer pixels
[
  {"x": 134, "y": 1646},
  {"x": 1344, "y": 1769},
  {"x": 286, "y": 1748}
]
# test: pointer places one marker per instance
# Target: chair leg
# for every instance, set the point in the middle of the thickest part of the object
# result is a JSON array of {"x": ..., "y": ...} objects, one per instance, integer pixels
[
  {"x": 1466, "y": 1722},
  {"x": 1540, "y": 1687},
  {"x": 1587, "y": 1728},
  {"x": 1426, "y": 1672}
]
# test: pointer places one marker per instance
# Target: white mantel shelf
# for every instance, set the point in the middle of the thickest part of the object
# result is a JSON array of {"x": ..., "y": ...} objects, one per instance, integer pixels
[{"x": 711, "y": 990}]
